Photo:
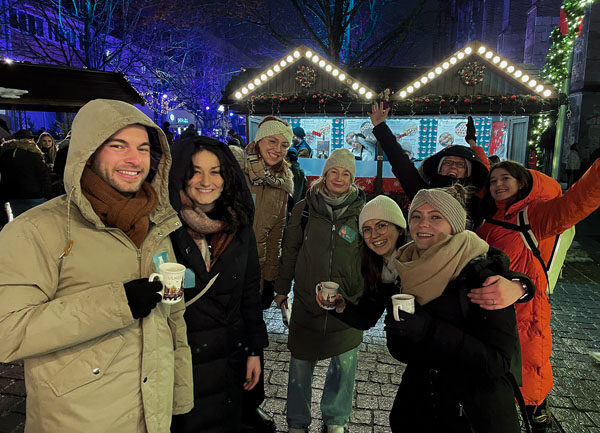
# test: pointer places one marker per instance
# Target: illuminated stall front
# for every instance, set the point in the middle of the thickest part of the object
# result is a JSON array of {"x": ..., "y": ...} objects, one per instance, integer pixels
[{"x": 428, "y": 111}]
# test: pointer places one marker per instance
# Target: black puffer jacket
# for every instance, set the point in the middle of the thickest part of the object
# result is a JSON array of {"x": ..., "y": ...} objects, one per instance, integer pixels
[
  {"x": 457, "y": 378},
  {"x": 23, "y": 174},
  {"x": 225, "y": 325}
]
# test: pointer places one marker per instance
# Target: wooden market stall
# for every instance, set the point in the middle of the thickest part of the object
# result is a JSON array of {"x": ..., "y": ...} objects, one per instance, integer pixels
[{"x": 332, "y": 101}]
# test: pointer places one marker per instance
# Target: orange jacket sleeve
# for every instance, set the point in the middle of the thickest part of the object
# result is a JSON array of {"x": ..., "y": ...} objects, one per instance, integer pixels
[{"x": 551, "y": 217}]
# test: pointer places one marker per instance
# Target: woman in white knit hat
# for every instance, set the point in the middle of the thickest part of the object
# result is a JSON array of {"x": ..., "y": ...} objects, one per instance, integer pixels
[
  {"x": 271, "y": 183},
  {"x": 322, "y": 243},
  {"x": 458, "y": 355}
]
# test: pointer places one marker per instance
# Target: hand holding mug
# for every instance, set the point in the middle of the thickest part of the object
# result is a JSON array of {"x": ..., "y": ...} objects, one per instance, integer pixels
[{"x": 327, "y": 295}]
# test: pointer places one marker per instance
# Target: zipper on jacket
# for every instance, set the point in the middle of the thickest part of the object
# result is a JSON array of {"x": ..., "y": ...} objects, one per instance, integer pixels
[{"x": 330, "y": 264}]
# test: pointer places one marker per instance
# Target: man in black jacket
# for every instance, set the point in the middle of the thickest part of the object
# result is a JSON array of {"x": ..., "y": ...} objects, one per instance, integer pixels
[{"x": 24, "y": 178}]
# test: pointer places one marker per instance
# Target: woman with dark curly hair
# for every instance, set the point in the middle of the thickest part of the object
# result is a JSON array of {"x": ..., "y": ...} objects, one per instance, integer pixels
[{"x": 225, "y": 328}]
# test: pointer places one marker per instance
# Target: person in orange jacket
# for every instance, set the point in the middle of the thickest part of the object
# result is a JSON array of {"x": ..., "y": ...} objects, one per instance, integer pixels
[{"x": 511, "y": 188}]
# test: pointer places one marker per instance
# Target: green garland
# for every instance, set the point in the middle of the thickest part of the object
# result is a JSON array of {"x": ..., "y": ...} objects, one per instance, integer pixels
[
  {"x": 444, "y": 104},
  {"x": 320, "y": 97},
  {"x": 538, "y": 125},
  {"x": 555, "y": 69}
]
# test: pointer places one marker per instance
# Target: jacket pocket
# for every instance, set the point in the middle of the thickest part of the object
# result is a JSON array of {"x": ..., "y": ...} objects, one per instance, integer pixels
[{"x": 89, "y": 366}]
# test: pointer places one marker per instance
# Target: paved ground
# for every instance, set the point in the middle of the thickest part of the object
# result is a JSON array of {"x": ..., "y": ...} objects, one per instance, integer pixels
[{"x": 575, "y": 400}]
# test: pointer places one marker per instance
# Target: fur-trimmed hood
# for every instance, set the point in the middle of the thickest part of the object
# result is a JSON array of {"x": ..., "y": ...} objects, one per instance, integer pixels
[
  {"x": 23, "y": 144},
  {"x": 429, "y": 168}
]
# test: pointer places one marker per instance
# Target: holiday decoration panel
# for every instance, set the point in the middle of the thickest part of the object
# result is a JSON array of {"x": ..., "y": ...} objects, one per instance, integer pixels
[{"x": 420, "y": 136}]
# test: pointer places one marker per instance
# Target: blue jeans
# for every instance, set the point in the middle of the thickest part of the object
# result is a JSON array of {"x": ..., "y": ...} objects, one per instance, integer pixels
[{"x": 336, "y": 403}]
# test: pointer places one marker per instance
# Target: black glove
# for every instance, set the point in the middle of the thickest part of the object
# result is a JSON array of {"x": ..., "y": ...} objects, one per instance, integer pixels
[
  {"x": 412, "y": 326},
  {"x": 470, "y": 130},
  {"x": 268, "y": 294},
  {"x": 142, "y": 296}
]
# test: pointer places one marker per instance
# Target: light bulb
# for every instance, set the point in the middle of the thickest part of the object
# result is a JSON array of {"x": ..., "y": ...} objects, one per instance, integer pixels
[
  {"x": 481, "y": 50},
  {"x": 238, "y": 95},
  {"x": 403, "y": 94},
  {"x": 289, "y": 59},
  {"x": 308, "y": 54}
]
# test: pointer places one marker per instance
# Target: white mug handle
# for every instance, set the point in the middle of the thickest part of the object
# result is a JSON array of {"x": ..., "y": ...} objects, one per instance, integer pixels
[
  {"x": 318, "y": 288},
  {"x": 395, "y": 309},
  {"x": 160, "y": 277}
]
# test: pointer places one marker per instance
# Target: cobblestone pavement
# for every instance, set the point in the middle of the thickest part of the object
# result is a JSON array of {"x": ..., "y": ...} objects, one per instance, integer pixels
[{"x": 575, "y": 399}]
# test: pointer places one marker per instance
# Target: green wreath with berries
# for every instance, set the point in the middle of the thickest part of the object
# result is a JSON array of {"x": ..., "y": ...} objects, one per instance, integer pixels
[
  {"x": 306, "y": 76},
  {"x": 472, "y": 73}
]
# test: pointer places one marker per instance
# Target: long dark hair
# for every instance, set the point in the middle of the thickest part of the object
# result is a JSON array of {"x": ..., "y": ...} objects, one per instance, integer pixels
[
  {"x": 521, "y": 174},
  {"x": 235, "y": 206},
  {"x": 371, "y": 263}
]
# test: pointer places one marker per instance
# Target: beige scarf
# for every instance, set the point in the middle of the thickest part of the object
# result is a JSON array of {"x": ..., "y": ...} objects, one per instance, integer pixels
[{"x": 425, "y": 274}]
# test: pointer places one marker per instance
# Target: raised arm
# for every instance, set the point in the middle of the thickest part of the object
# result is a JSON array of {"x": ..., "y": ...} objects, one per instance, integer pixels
[
  {"x": 402, "y": 167},
  {"x": 551, "y": 217}
]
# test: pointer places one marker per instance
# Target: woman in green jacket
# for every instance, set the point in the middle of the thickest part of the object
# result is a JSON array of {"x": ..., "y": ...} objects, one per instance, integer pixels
[{"x": 321, "y": 243}]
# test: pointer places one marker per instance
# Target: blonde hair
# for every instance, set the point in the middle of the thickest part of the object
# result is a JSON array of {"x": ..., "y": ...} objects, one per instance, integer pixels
[{"x": 52, "y": 151}]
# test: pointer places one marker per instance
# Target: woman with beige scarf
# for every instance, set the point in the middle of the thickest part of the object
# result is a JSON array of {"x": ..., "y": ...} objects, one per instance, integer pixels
[
  {"x": 458, "y": 354},
  {"x": 271, "y": 183}
]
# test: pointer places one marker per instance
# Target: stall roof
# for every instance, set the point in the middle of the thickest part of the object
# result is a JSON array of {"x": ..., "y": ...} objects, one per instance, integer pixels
[
  {"x": 277, "y": 88},
  {"x": 61, "y": 89}
]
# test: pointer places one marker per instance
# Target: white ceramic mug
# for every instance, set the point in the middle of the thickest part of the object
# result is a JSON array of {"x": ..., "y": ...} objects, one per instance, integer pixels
[
  {"x": 171, "y": 276},
  {"x": 404, "y": 302},
  {"x": 329, "y": 291}
]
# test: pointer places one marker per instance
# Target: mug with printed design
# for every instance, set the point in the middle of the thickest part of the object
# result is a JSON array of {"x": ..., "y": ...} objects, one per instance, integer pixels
[{"x": 171, "y": 275}]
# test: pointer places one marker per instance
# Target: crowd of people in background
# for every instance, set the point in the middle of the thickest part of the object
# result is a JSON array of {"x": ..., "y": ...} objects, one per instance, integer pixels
[{"x": 99, "y": 212}]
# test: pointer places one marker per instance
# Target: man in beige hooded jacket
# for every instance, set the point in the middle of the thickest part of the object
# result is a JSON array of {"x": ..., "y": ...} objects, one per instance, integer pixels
[{"x": 102, "y": 354}]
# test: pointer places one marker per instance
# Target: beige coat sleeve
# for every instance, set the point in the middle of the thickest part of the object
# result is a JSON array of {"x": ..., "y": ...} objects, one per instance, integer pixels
[
  {"x": 183, "y": 392},
  {"x": 33, "y": 321},
  {"x": 270, "y": 268}
]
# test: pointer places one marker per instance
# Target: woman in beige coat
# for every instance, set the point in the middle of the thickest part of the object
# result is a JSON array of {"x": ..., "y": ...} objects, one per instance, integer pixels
[{"x": 271, "y": 182}]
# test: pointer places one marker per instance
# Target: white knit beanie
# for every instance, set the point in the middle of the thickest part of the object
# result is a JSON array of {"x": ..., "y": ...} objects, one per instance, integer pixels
[
  {"x": 382, "y": 208},
  {"x": 274, "y": 127},
  {"x": 443, "y": 202},
  {"x": 340, "y": 158}
]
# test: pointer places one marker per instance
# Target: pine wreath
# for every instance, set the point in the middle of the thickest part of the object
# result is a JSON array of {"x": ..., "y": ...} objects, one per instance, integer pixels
[
  {"x": 306, "y": 76},
  {"x": 472, "y": 73}
]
